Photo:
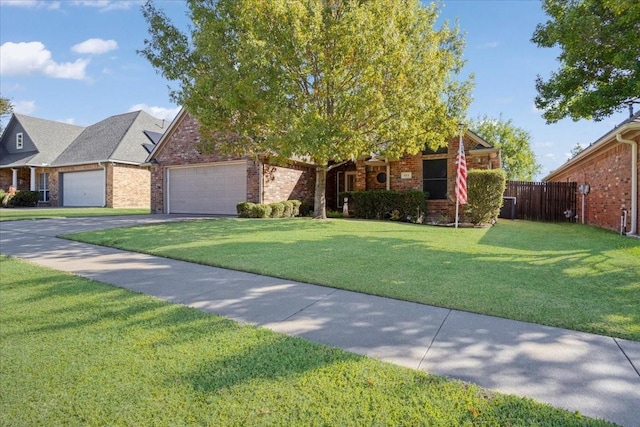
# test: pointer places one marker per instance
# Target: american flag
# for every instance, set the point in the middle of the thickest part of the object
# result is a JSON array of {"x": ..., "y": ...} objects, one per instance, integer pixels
[{"x": 461, "y": 175}]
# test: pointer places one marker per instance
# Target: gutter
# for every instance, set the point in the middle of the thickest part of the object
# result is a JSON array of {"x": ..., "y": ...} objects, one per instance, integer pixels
[{"x": 634, "y": 180}]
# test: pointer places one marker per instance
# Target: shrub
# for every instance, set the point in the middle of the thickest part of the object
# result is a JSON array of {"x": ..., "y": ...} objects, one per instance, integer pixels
[
  {"x": 306, "y": 208},
  {"x": 288, "y": 209},
  {"x": 24, "y": 198},
  {"x": 296, "y": 207},
  {"x": 485, "y": 189},
  {"x": 261, "y": 211},
  {"x": 244, "y": 209},
  {"x": 2, "y": 194},
  {"x": 383, "y": 204},
  {"x": 277, "y": 209}
]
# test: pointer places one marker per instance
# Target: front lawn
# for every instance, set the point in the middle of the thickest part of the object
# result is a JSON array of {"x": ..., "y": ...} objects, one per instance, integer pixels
[
  {"x": 78, "y": 352},
  {"x": 564, "y": 275},
  {"x": 47, "y": 213}
]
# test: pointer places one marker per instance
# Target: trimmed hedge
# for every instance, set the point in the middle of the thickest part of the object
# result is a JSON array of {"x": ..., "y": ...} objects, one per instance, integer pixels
[
  {"x": 485, "y": 188},
  {"x": 24, "y": 198},
  {"x": 286, "y": 209},
  {"x": 383, "y": 204}
]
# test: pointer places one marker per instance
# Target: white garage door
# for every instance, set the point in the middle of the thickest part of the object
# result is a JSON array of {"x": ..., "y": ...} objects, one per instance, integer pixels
[
  {"x": 211, "y": 189},
  {"x": 83, "y": 188}
]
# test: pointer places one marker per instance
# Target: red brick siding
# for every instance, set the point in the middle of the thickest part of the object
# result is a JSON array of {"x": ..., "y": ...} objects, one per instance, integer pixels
[
  {"x": 608, "y": 174},
  {"x": 129, "y": 186},
  {"x": 181, "y": 149}
]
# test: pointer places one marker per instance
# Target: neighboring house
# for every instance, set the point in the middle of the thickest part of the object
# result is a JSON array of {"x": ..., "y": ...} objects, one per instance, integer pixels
[
  {"x": 74, "y": 166},
  {"x": 184, "y": 180},
  {"x": 607, "y": 176}
]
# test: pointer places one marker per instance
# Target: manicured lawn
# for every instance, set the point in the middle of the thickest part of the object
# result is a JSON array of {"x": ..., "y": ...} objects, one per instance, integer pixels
[
  {"x": 564, "y": 275},
  {"x": 78, "y": 352},
  {"x": 44, "y": 213}
]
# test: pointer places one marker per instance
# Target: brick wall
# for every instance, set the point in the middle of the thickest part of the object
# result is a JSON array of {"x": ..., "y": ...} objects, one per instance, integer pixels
[
  {"x": 130, "y": 186},
  {"x": 286, "y": 183},
  {"x": 608, "y": 173},
  {"x": 180, "y": 148}
]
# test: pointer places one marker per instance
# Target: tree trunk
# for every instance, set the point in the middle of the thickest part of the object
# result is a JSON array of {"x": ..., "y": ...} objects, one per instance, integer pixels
[{"x": 319, "y": 200}]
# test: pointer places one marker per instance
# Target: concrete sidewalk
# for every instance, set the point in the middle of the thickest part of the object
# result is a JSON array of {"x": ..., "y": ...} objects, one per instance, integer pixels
[{"x": 596, "y": 375}]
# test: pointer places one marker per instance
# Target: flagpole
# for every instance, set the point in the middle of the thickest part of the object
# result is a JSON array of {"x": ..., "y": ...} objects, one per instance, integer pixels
[{"x": 460, "y": 126}]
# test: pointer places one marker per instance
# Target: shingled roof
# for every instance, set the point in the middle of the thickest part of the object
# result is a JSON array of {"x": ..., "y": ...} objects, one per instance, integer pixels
[
  {"x": 49, "y": 137},
  {"x": 120, "y": 138}
]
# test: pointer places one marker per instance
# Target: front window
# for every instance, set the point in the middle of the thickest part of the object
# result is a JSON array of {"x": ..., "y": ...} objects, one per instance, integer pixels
[
  {"x": 434, "y": 178},
  {"x": 19, "y": 141},
  {"x": 43, "y": 187}
]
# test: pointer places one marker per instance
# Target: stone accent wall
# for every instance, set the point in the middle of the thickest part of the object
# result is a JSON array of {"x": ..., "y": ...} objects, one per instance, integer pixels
[
  {"x": 128, "y": 186},
  {"x": 608, "y": 173}
]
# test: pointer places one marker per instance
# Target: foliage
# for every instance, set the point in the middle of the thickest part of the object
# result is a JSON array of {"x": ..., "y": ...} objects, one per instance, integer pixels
[
  {"x": 324, "y": 80},
  {"x": 578, "y": 277},
  {"x": 78, "y": 352},
  {"x": 245, "y": 209},
  {"x": 485, "y": 189},
  {"x": 296, "y": 204},
  {"x": 306, "y": 208},
  {"x": 277, "y": 210},
  {"x": 6, "y": 108},
  {"x": 384, "y": 204},
  {"x": 24, "y": 198},
  {"x": 261, "y": 211},
  {"x": 518, "y": 159},
  {"x": 288, "y": 209},
  {"x": 577, "y": 149},
  {"x": 598, "y": 61},
  {"x": 2, "y": 194}
]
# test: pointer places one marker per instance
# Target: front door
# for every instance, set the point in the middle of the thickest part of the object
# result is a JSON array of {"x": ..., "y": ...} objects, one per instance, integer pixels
[{"x": 346, "y": 181}]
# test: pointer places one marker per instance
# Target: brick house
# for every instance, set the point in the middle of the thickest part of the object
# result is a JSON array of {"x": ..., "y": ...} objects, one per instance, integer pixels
[
  {"x": 184, "y": 180},
  {"x": 74, "y": 166},
  {"x": 607, "y": 176}
]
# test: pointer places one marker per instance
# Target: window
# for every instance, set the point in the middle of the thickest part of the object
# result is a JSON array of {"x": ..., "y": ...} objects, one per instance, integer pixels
[
  {"x": 43, "y": 187},
  {"x": 19, "y": 141},
  {"x": 434, "y": 178}
]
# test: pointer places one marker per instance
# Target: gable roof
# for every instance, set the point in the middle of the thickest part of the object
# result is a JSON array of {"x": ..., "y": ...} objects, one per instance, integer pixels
[
  {"x": 632, "y": 123},
  {"x": 119, "y": 138},
  {"x": 49, "y": 137}
]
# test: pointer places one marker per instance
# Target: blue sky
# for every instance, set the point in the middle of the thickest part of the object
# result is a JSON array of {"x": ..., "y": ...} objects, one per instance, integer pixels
[{"x": 75, "y": 61}]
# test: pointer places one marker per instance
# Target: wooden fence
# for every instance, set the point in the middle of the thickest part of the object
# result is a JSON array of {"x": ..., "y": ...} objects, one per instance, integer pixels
[{"x": 540, "y": 201}]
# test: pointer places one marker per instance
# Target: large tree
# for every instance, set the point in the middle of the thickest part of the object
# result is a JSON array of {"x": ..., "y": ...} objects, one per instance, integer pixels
[
  {"x": 6, "y": 108},
  {"x": 518, "y": 159},
  {"x": 599, "y": 60},
  {"x": 324, "y": 80}
]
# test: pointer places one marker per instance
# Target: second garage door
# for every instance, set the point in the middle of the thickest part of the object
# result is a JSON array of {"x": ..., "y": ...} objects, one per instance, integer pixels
[
  {"x": 211, "y": 189},
  {"x": 84, "y": 188}
]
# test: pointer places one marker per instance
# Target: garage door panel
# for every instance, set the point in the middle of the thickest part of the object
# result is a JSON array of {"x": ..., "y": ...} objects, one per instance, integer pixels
[
  {"x": 85, "y": 188},
  {"x": 211, "y": 189}
]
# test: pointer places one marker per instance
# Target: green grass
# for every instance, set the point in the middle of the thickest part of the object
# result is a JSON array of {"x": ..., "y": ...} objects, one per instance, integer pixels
[
  {"x": 45, "y": 213},
  {"x": 564, "y": 275},
  {"x": 78, "y": 352}
]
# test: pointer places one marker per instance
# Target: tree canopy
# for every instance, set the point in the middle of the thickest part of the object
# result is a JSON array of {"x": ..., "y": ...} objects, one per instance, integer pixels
[
  {"x": 518, "y": 160},
  {"x": 325, "y": 80},
  {"x": 6, "y": 108},
  {"x": 599, "y": 60}
]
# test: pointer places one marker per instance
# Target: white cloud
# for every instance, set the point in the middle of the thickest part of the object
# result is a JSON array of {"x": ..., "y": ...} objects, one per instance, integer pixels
[
  {"x": 159, "y": 112},
  {"x": 70, "y": 121},
  {"x": 489, "y": 45},
  {"x": 34, "y": 58},
  {"x": 32, "y": 4},
  {"x": 108, "y": 5},
  {"x": 95, "y": 46},
  {"x": 24, "y": 107}
]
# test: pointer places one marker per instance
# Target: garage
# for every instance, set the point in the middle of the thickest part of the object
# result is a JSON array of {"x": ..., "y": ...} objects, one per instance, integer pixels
[
  {"x": 86, "y": 188},
  {"x": 213, "y": 189}
]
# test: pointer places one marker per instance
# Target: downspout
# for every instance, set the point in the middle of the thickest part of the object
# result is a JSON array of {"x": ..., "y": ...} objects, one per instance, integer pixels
[
  {"x": 388, "y": 174},
  {"x": 260, "y": 181},
  {"x": 104, "y": 192},
  {"x": 634, "y": 182}
]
